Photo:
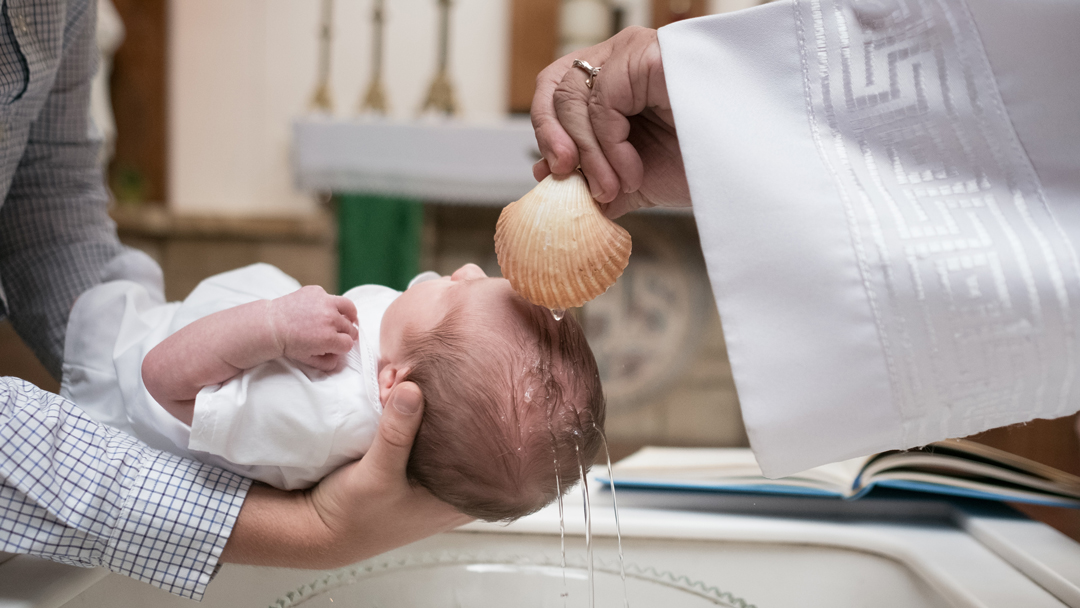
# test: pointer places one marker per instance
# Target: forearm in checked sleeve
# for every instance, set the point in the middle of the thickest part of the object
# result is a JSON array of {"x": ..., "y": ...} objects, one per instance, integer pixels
[{"x": 81, "y": 493}]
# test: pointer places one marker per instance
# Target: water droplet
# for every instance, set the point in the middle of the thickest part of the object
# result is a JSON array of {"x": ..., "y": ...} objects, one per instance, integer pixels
[{"x": 558, "y": 313}]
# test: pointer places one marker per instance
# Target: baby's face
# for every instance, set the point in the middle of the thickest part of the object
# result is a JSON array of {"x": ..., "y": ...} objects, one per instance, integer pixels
[{"x": 424, "y": 305}]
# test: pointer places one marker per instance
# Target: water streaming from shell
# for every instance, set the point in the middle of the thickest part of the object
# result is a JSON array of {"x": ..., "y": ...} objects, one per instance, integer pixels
[
  {"x": 562, "y": 531},
  {"x": 615, "y": 508},
  {"x": 558, "y": 313},
  {"x": 588, "y": 528}
]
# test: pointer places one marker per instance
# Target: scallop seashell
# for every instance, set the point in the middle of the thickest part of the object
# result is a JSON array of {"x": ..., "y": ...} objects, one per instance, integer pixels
[{"x": 556, "y": 247}]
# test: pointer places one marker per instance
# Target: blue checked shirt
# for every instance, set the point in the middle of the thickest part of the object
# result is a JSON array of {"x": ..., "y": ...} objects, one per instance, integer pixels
[{"x": 73, "y": 490}]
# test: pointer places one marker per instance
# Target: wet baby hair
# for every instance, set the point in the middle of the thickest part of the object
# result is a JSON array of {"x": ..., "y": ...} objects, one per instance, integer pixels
[{"x": 504, "y": 406}]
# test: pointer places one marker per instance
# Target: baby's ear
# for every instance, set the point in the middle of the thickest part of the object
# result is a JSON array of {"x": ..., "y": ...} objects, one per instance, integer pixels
[{"x": 391, "y": 375}]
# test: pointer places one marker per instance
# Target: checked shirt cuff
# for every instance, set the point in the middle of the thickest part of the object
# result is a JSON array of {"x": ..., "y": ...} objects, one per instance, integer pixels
[
  {"x": 82, "y": 493},
  {"x": 175, "y": 522}
]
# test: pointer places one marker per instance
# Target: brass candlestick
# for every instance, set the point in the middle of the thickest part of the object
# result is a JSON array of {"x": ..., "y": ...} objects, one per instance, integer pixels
[
  {"x": 375, "y": 98},
  {"x": 321, "y": 100},
  {"x": 440, "y": 95}
]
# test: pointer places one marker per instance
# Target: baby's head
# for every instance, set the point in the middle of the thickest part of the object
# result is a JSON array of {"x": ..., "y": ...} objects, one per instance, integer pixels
[{"x": 508, "y": 393}]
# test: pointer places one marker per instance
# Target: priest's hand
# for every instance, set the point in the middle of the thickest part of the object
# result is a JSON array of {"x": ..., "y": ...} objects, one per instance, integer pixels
[
  {"x": 359, "y": 511},
  {"x": 621, "y": 131}
]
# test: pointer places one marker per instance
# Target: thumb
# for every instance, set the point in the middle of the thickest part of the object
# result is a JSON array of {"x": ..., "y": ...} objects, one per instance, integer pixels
[{"x": 389, "y": 453}]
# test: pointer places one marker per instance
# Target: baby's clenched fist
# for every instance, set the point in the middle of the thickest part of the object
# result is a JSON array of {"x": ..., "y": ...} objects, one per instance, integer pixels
[{"x": 313, "y": 327}]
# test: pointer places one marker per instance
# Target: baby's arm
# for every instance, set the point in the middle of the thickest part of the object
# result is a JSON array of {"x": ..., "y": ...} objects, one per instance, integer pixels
[{"x": 308, "y": 326}]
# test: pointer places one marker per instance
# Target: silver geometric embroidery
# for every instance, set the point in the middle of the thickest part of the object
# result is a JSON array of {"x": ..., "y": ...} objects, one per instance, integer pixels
[{"x": 974, "y": 286}]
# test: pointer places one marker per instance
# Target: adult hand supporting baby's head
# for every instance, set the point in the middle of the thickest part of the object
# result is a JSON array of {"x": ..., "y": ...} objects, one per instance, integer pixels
[
  {"x": 359, "y": 511},
  {"x": 369, "y": 506}
]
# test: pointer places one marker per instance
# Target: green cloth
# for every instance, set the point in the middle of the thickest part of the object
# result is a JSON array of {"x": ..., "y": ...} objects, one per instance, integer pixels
[{"x": 378, "y": 240}]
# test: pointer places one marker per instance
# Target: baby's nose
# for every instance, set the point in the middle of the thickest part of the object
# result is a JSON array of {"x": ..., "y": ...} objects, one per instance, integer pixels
[{"x": 467, "y": 272}]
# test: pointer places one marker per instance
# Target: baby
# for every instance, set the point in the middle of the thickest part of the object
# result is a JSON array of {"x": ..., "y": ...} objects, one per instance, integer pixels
[{"x": 284, "y": 384}]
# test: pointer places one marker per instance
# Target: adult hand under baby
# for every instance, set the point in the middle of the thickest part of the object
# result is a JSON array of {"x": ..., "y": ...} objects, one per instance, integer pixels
[
  {"x": 370, "y": 505},
  {"x": 313, "y": 327},
  {"x": 621, "y": 131},
  {"x": 359, "y": 511}
]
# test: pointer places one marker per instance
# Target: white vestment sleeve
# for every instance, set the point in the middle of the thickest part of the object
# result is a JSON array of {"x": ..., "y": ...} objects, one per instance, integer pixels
[{"x": 887, "y": 210}]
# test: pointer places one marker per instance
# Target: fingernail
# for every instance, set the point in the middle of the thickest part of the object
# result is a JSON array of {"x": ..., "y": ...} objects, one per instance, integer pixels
[{"x": 406, "y": 401}]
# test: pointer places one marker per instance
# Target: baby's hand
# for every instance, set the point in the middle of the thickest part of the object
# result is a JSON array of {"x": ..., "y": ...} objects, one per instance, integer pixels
[{"x": 313, "y": 327}]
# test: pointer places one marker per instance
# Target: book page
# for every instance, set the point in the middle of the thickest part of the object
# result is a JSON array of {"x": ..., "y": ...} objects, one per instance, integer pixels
[
  {"x": 928, "y": 482},
  {"x": 951, "y": 468},
  {"x": 955, "y": 460},
  {"x": 727, "y": 467},
  {"x": 1009, "y": 459}
]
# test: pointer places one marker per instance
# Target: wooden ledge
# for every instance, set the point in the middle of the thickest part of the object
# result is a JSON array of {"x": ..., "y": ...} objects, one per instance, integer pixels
[{"x": 160, "y": 223}]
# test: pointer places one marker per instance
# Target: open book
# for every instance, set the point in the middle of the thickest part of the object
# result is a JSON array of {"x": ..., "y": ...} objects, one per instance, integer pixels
[{"x": 956, "y": 467}]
